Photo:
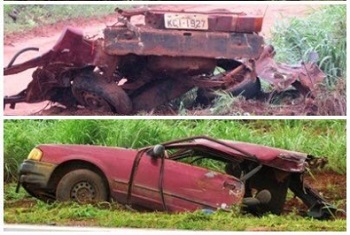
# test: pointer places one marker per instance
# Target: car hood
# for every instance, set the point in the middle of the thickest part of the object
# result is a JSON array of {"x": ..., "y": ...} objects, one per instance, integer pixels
[{"x": 63, "y": 152}]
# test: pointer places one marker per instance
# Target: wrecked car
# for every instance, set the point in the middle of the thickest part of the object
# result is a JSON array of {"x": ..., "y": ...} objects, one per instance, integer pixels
[
  {"x": 196, "y": 173},
  {"x": 140, "y": 66}
]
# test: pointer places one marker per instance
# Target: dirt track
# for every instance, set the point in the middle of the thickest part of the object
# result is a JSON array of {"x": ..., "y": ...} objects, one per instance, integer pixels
[{"x": 45, "y": 37}]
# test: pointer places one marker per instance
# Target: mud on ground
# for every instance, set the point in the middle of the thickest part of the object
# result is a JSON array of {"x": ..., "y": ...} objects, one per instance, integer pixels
[{"x": 331, "y": 187}]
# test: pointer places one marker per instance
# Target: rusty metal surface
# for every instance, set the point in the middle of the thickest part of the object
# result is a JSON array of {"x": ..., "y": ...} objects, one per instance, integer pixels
[
  {"x": 148, "y": 41},
  {"x": 150, "y": 64},
  {"x": 219, "y": 20},
  {"x": 306, "y": 75},
  {"x": 71, "y": 47}
]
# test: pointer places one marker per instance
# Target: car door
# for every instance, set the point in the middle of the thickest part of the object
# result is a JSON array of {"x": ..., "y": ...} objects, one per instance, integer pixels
[
  {"x": 184, "y": 187},
  {"x": 190, "y": 187}
]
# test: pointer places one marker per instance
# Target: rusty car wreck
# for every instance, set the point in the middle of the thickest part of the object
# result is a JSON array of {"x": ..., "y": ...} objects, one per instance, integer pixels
[
  {"x": 137, "y": 67},
  {"x": 174, "y": 176}
]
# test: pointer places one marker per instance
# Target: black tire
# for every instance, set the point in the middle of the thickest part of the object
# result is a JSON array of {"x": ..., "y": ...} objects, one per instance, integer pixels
[
  {"x": 95, "y": 93},
  {"x": 248, "y": 89},
  {"x": 83, "y": 186}
]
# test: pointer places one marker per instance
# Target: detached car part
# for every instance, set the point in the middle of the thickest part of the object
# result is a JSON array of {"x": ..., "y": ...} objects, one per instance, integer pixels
[
  {"x": 141, "y": 66},
  {"x": 169, "y": 176}
]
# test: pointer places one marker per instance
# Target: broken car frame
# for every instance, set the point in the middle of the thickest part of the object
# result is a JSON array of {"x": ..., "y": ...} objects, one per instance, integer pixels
[{"x": 141, "y": 66}]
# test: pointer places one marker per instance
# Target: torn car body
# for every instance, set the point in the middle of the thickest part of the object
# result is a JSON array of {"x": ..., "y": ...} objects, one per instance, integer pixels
[
  {"x": 173, "y": 176},
  {"x": 137, "y": 67}
]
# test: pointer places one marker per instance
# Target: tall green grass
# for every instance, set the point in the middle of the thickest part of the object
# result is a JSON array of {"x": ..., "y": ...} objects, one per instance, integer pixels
[
  {"x": 317, "y": 137},
  {"x": 323, "y": 31}
]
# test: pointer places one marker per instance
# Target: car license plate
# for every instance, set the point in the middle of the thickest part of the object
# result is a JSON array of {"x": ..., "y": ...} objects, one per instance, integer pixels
[{"x": 186, "y": 21}]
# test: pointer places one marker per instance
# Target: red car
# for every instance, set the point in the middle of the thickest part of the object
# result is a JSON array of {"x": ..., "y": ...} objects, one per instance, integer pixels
[{"x": 182, "y": 175}]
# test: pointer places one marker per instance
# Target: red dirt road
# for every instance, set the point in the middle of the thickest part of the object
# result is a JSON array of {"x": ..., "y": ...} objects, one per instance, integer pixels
[{"x": 45, "y": 37}]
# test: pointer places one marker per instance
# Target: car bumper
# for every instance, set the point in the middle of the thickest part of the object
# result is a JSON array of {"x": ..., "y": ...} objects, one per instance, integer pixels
[{"x": 36, "y": 174}]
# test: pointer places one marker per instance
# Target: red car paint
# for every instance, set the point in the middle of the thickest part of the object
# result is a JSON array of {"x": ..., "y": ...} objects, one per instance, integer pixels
[
  {"x": 256, "y": 176},
  {"x": 185, "y": 187}
]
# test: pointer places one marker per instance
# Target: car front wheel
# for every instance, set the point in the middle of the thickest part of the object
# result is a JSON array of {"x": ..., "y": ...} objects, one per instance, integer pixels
[{"x": 83, "y": 186}]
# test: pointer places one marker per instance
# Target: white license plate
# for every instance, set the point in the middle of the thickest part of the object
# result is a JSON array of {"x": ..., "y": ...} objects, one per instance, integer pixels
[{"x": 186, "y": 21}]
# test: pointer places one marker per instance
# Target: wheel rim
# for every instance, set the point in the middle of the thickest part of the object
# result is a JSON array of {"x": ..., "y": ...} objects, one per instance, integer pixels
[
  {"x": 94, "y": 92},
  {"x": 83, "y": 192},
  {"x": 95, "y": 102}
]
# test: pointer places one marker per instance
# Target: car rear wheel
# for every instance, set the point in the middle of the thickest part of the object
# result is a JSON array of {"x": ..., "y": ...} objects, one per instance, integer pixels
[
  {"x": 96, "y": 93},
  {"x": 83, "y": 186}
]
